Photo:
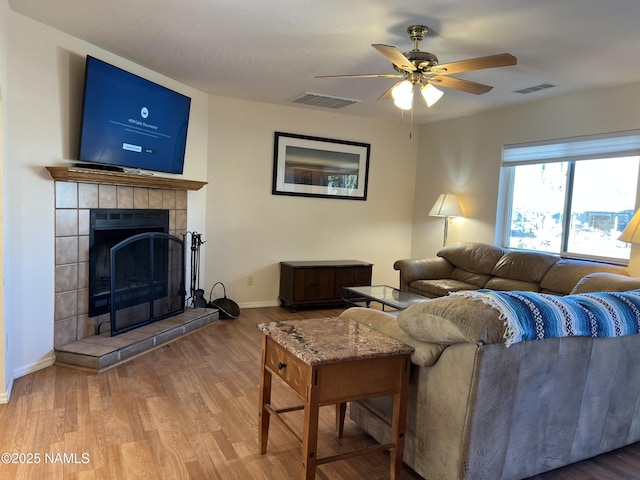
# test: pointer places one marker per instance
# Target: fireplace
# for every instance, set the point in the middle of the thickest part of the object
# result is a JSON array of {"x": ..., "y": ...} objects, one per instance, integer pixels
[
  {"x": 79, "y": 190},
  {"x": 136, "y": 269}
]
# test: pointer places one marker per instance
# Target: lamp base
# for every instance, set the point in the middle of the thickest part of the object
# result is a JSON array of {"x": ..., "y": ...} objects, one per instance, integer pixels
[{"x": 446, "y": 231}]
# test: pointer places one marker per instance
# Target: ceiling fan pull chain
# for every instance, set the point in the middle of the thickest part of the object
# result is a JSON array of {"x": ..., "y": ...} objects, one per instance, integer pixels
[{"x": 411, "y": 124}]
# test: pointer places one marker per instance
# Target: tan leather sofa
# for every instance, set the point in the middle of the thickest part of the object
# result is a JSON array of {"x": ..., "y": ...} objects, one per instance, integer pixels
[
  {"x": 481, "y": 411},
  {"x": 472, "y": 265}
]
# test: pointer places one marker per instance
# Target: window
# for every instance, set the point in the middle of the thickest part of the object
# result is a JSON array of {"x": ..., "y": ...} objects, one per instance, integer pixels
[{"x": 572, "y": 196}]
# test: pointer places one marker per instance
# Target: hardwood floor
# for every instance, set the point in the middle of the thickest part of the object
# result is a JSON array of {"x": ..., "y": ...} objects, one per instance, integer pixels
[{"x": 188, "y": 410}]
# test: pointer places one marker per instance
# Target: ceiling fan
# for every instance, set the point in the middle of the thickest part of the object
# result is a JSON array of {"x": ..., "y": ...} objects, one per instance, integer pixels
[{"x": 421, "y": 69}]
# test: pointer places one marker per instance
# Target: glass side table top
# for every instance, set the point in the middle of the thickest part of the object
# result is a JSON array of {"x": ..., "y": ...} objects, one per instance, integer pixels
[{"x": 383, "y": 294}]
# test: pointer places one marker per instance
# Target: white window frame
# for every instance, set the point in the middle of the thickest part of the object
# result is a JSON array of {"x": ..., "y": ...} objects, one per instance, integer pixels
[{"x": 574, "y": 149}]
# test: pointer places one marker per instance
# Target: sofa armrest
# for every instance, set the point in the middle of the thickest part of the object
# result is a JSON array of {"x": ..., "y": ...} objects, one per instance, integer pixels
[
  {"x": 425, "y": 354},
  {"x": 412, "y": 269}
]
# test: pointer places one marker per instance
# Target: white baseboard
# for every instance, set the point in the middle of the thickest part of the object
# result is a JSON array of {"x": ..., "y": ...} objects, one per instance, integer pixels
[
  {"x": 271, "y": 303},
  {"x": 47, "y": 361},
  {"x": 4, "y": 397}
]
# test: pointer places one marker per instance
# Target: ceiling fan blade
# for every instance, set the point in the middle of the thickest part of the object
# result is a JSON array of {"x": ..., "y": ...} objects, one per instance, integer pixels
[
  {"x": 395, "y": 56},
  {"x": 459, "y": 84},
  {"x": 364, "y": 75},
  {"x": 387, "y": 94},
  {"x": 492, "y": 61}
]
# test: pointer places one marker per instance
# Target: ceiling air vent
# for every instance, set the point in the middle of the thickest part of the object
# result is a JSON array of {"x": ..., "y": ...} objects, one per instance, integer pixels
[
  {"x": 324, "y": 101},
  {"x": 535, "y": 88}
]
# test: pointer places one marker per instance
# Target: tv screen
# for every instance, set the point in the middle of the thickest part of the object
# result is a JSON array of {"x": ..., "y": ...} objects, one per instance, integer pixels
[{"x": 128, "y": 121}]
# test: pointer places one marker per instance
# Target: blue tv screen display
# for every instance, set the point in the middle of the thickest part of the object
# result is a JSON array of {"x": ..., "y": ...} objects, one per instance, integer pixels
[{"x": 128, "y": 121}]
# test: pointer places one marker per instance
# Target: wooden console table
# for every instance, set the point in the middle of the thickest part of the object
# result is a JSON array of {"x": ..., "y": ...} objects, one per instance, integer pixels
[
  {"x": 320, "y": 283},
  {"x": 333, "y": 361}
]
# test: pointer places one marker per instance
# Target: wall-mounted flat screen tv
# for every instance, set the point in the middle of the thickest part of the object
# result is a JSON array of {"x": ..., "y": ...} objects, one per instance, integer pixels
[{"x": 128, "y": 121}]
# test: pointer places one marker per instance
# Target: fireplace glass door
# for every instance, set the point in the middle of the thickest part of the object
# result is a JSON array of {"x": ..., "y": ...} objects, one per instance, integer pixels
[{"x": 147, "y": 280}]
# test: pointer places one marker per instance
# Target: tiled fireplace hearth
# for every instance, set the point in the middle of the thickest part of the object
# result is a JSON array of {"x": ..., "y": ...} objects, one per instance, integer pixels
[{"x": 76, "y": 192}]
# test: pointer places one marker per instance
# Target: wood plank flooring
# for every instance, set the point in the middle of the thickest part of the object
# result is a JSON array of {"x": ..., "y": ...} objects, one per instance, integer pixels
[{"x": 188, "y": 410}]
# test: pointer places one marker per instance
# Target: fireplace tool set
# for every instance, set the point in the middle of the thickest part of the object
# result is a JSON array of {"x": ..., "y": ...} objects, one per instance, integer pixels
[
  {"x": 197, "y": 294},
  {"x": 228, "y": 309}
]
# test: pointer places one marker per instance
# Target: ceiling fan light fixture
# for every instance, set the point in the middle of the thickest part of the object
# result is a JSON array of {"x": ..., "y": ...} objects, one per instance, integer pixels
[
  {"x": 402, "y": 95},
  {"x": 431, "y": 94},
  {"x": 419, "y": 69}
]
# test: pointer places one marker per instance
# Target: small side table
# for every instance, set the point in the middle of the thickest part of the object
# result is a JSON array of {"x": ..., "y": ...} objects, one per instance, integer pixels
[{"x": 333, "y": 361}]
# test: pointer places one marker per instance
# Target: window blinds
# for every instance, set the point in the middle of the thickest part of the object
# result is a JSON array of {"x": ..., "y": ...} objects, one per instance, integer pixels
[{"x": 608, "y": 145}]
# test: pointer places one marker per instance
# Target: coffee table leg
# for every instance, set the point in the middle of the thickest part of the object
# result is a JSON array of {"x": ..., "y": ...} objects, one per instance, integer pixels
[
  {"x": 399, "y": 422},
  {"x": 265, "y": 398},
  {"x": 341, "y": 409}
]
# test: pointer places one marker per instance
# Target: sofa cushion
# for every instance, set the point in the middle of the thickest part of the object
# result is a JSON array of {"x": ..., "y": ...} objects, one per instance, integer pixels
[
  {"x": 606, "y": 282},
  {"x": 473, "y": 257},
  {"x": 563, "y": 276},
  {"x": 439, "y": 288},
  {"x": 449, "y": 320},
  {"x": 524, "y": 266},
  {"x": 498, "y": 283},
  {"x": 476, "y": 279}
]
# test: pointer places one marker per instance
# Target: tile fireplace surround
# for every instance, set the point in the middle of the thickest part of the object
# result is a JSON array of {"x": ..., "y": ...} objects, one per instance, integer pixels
[{"x": 73, "y": 200}]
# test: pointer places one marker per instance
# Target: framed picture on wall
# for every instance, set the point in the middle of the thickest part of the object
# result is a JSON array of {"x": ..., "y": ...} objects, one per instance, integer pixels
[{"x": 320, "y": 167}]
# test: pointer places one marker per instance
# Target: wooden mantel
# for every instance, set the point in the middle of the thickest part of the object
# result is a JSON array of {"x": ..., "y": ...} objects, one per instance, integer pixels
[{"x": 89, "y": 175}]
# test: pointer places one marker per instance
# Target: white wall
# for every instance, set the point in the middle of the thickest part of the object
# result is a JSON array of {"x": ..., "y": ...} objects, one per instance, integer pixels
[
  {"x": 41, "y": 117},
  {"x": 5, "y": 370},
  {"x": 249, "y": 230},
  {"x": 464, "y": 155}
]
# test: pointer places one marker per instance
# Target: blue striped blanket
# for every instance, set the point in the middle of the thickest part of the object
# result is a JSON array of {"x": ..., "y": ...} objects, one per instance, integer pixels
[{"x": 531, "y": 315}]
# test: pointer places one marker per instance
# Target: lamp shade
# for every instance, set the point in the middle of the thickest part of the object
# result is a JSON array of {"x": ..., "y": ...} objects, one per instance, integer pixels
[
  {"x": 447, "y": 205},
  {"x": 431, "y": 94},
  {"x": 631, "y": 233},
  {"x": 402, "y": 95}
]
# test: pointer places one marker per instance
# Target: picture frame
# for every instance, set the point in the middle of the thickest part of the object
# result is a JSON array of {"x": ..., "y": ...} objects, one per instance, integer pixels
[{"x": 320, "y": 167}]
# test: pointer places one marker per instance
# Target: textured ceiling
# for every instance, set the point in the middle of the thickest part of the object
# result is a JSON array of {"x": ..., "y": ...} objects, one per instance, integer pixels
[{"x": 270, "y": 50}]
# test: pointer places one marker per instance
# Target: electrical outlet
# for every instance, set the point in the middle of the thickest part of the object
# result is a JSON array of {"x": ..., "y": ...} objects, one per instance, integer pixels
[{"x": 250, "y": 280}]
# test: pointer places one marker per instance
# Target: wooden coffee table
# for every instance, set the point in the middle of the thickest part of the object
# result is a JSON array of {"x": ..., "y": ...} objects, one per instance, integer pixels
[{"x": 333, "y": 361}]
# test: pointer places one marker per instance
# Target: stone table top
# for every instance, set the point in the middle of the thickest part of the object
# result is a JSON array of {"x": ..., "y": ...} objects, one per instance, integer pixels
[{"x": 329, "y": 340}]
